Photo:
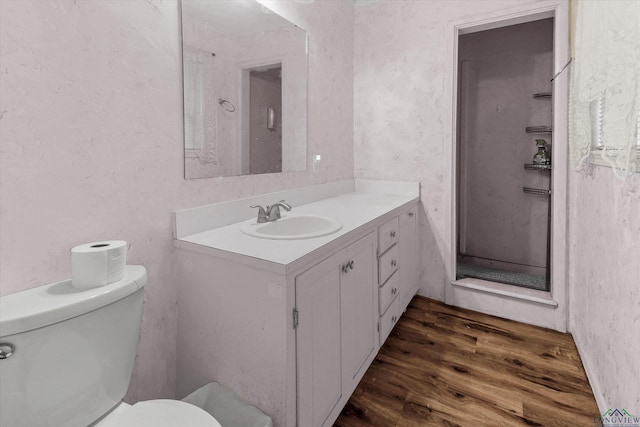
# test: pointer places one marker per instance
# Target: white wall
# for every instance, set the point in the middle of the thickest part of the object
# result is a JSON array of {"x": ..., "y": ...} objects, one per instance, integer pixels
[
  {"x": 399, "y": 65},
  {"x": 91, "y": 143},
  {"x": 604, "y": 274},
  {"x": 604, "y": 277}
]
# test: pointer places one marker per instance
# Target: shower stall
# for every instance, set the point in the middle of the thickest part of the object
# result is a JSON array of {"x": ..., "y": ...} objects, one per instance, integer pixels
[{"x": 504, "y": 119}]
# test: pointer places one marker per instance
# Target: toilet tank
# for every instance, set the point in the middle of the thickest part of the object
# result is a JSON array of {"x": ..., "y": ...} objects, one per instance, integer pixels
[{"x": 72, "y": 351}]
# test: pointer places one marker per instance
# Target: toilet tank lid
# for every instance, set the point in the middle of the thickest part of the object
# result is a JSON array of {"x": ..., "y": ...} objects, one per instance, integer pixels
[{"x": 49, "y": 304}]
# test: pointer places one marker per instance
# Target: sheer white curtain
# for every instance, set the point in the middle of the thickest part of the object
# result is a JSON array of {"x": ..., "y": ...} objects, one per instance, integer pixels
[
  {"x": 605, "y": 86},
  {"x": 199, "y": 108}
]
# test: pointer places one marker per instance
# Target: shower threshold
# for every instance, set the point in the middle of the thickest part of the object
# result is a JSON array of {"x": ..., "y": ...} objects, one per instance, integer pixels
[{"x": 525, "y": 280}]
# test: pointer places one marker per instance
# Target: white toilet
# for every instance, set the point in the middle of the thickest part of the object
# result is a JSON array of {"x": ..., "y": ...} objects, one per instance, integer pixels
[{"x": 66, "y": 357}]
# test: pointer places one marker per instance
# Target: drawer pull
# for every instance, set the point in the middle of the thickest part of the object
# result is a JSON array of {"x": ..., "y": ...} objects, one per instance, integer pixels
[{"x": 410, "y": 213}]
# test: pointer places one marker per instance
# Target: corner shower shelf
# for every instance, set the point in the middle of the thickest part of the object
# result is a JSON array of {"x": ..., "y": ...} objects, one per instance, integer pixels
[
  {"x": 534, "y": 167},
  {"x": 546, "y": 95},
  {"x": 538, "y": 129},
  {"x": 536, "y": 191}
]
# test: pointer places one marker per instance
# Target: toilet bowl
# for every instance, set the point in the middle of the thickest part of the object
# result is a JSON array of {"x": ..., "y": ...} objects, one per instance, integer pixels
[{"x": 66, "y": 357}]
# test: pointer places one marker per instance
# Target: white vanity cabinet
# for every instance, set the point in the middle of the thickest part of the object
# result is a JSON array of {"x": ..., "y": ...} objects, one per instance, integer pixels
[
  {"x": 292, "y": 325},
  {"x": 336, "y": 310}
]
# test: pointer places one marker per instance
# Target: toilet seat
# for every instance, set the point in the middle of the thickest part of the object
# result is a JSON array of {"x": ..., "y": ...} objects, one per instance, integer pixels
[{"x": 160, "y": 413}]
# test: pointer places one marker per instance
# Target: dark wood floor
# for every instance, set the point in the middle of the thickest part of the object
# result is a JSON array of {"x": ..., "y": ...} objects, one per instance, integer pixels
[{"x": 446, "y": 366}]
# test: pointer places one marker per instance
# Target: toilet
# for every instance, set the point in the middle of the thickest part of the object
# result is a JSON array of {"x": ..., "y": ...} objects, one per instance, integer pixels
[{"x": 66, "y": 357}]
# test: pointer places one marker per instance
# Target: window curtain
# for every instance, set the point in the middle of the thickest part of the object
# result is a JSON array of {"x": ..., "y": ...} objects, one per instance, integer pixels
[
  {"x": 200, "y": 119},
  {"x": 605, "y": 84}
]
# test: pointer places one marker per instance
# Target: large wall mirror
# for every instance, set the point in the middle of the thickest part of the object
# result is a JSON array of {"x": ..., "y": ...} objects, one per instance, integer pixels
[{"x": 245, "y": 90}]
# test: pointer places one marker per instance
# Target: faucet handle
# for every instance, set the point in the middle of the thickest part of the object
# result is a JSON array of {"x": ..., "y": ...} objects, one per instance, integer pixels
[
  {"x": 262, "y": 214},
  {"x": 285, "y": 205}
]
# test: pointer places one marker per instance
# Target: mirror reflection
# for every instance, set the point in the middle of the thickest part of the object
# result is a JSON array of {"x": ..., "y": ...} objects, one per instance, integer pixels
[{"x": 245, "y": 90}]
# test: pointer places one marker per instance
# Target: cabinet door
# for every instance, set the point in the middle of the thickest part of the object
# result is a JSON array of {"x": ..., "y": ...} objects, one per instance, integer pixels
[
  {"x": 318, "y": 341},
  {"x": 359, "y": 294},
  {"x": 409, "y": 270}
]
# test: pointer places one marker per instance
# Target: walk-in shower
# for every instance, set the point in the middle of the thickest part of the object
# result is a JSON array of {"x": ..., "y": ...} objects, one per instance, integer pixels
[{"x": 504, "y": 137}]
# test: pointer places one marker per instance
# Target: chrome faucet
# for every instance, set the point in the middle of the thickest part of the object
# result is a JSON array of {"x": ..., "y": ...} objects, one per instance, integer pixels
[{"x": 271, "y": 213}]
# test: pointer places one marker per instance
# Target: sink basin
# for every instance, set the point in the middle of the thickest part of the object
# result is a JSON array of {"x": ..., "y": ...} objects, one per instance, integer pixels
[{"x": 293, "y": 227}]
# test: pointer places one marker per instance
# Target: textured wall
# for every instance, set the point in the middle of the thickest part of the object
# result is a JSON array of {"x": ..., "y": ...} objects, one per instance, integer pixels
[
  {"x": 399, "y": 65},
  {"x": 604, "y": 277},
  {"x": 91, "y": 143}
]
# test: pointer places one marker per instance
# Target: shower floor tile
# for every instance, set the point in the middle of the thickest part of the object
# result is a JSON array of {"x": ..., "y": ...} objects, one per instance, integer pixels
[{"x": 531, "y": 281}]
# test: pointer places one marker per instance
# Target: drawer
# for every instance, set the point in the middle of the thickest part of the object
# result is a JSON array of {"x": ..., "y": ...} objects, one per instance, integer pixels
[
  {"x": 387, "y": 234},
  {"x": 389, "y": 319},
  {"x": 387, "y": 264},
  {"x": 388, "y": 291}
]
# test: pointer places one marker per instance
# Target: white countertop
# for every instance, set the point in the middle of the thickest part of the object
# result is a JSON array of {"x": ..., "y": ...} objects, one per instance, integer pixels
[{"x": 354, "y": 210}]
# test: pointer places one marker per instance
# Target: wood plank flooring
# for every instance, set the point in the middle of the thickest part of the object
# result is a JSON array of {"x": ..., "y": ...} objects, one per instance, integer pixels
[{"x": 446, "y": 366}]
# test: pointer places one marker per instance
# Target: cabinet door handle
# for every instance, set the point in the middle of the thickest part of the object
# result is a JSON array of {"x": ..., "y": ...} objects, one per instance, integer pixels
[
  {"x": 393, "y": 263},
  {"x": 393, "y": 233},
  {"x": 348, "y": 266},
  {"x": 410, "y": 213}
]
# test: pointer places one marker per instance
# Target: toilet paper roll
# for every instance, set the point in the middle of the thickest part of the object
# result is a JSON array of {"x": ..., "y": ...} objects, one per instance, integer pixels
[{"x": 98, "y": 263}]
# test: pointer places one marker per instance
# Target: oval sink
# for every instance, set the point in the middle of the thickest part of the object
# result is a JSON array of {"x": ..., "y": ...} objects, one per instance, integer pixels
[{"x": 293, "y": 227}]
